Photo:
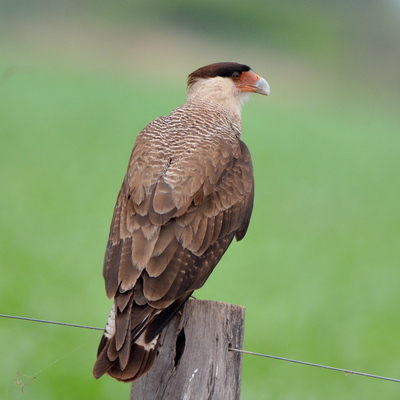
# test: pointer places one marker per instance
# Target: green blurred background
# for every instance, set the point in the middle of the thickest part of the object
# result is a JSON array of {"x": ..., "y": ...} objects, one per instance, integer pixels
[{"x": 318, "y": 270}]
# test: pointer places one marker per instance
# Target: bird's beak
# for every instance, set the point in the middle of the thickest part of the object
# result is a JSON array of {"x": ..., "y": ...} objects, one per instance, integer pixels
[
  {"x": 251, "y": 82},
  {"x": 262, "y": 87}
]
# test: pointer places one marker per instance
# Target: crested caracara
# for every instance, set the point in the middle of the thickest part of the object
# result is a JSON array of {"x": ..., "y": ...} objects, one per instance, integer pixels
[{"x": 187, "y": 193}]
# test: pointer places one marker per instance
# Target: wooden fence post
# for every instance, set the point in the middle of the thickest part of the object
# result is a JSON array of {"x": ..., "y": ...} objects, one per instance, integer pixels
[{"x": 194, "y": 362}]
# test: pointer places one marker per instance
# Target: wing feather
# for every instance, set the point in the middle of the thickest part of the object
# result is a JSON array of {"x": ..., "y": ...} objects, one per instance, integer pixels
[{"x": 158, "y": 263}]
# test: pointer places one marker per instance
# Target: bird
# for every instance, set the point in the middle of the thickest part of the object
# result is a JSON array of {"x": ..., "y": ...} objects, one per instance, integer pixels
[{"x": 187, "y": 193}]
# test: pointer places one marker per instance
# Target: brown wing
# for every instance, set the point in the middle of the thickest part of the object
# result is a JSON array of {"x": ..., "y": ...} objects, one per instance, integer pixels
[
  {"x": 161, "y": 232},
  {"x": 175, "y": 217}
]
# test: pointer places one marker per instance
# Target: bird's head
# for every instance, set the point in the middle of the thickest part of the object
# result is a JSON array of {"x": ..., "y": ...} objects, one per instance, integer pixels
[{"x": 226, "y": 82}]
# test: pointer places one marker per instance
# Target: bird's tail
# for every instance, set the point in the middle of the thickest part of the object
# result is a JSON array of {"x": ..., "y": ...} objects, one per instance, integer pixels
[
  {"x": 129, "y": 344},
  {"x": 124, "y": 354}
]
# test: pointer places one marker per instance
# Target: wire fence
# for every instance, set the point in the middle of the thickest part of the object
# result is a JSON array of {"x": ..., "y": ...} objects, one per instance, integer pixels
[
  {"x": 346, "y": 371},
  {"x": 51, "y": 322}
]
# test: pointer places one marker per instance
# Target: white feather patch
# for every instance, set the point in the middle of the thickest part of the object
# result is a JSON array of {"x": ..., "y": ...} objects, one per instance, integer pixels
[
  {"x": 110, "y": 327},
  {"x": 221, "y": 91},
  {"x": 148, "y": 346}
]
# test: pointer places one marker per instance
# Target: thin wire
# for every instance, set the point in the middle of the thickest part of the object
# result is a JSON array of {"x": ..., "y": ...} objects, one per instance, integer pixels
[
  {"x": 317, "y": 365},
  {"x": 51, "y": 322},
  {"x": 230, "y": 349}
]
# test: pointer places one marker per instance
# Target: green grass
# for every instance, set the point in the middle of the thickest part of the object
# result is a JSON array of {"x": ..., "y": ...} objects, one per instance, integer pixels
[{"x": 318, "y": 271}]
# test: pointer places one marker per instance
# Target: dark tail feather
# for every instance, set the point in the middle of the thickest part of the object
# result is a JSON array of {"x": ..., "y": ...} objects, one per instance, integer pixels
[
  {"x": 134, "y": 357},
  {"x": 161, "y": 320},
  {"x": 140, "y": 359}
]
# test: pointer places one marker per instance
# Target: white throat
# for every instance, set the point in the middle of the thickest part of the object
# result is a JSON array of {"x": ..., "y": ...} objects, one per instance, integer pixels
[{"x": 221, "y": 91}]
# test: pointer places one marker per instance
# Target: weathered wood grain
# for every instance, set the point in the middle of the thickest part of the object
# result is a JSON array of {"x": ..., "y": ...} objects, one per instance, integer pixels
[{"x": 194, "y": 362}]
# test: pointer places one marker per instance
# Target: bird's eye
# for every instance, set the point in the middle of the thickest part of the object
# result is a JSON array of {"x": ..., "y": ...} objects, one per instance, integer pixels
[{"x": 236, "y": 75}]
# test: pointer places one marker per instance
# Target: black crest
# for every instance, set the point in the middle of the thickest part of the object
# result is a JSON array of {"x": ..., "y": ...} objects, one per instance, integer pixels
[{"x": 224, "y": 69}]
